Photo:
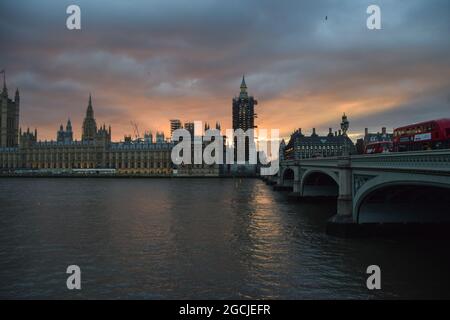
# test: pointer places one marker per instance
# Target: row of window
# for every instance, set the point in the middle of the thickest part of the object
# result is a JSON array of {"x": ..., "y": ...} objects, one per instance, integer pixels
[
  {"x": 428, "y": 127},
  {"x": 315, "y": 147},
  {"x": 89, "y": 165},
  {"x": 78, "y": 157}
]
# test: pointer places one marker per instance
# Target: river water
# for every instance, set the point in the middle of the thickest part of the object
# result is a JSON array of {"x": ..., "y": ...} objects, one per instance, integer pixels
[{"x": 195, "y": 239}]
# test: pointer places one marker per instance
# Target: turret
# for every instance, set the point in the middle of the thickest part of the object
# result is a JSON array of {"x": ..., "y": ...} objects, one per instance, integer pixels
[
  {"x": 27, "y": 138},
  {"x": 69, "y": 126},
  {"x": 60, "y": 134},
  {"x": 5, "y": 90},
  {"x": 17, "y": 97}
]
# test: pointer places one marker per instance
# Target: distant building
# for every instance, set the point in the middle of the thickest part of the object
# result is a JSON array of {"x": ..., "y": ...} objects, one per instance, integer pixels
[
  {"x": 160, "y": 137},
  {"x": 9, "y": 118},
  {"x": 189, "y": 126},
  {"x": 175, "y": 125},
  {"x": 244, "y": 115},
  {"x": 65, "y": 136},
  {"x": 148, "y": 137},
  {"x": 208, "y": 127},
  {"x": 94, "y": 151},
  {"x": 330, "y": 145},
  {"x": 201, "y": 169},
  {"x": 369, "y": 138}
]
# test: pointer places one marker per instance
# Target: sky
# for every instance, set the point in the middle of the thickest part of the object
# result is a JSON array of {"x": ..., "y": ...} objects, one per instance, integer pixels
[{"x": 151, "y": 61}]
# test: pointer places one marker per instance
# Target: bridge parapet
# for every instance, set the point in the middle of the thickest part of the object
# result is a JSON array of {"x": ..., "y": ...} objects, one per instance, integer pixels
[
  {"x": 433, "y": 160},
  {"x": 313, "y": 162}
]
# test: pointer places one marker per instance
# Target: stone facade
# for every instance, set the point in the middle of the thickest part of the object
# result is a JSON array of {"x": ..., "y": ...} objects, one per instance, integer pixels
[{"x": 94, "y": 151}]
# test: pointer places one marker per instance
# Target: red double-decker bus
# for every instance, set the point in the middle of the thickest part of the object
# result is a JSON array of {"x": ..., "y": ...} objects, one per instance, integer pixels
[
  {"x": 378, "y": 147},
  {"x": 434, "y": 134}
]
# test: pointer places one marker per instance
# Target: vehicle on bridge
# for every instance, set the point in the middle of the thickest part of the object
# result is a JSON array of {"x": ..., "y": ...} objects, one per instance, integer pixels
[
  {"x": 379, "y": 147},
  {"x": 427, "y": 135}
]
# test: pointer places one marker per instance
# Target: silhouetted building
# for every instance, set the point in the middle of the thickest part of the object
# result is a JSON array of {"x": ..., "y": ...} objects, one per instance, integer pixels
[
  {"x": 28, "y": 138},
  {"x": 244, "y": 109},
  {"x": 148, "y": 137},
  {"x": 160, "y": 137},
  {"x": 372, "y": 137},
  {"x": 377, "y": 137},
  {"x": 9, "y": 118},
  {"x": 175, "y": 125},
  {"x": 331, "y": 145},
  {"x": 189, "y": 126},
  {"x": 65, "y": 136},
  {"x": 244, "y": 115}
]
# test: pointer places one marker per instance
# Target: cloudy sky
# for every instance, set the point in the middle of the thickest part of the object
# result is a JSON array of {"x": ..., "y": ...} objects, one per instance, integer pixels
[{"x": 151, "y": 61}]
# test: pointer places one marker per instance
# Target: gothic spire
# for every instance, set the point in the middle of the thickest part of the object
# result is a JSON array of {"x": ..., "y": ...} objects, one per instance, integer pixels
[
  {"x": 243, "y": 84},
  {"x": 69, "y": 125},
  {"x": 243, "y": 88},
  {"x": 89, "y": 124},
  {"x": 90, "y": 110}
]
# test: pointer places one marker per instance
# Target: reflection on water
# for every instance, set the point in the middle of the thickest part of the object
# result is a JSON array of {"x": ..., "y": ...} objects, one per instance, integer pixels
[{"x": 195, "y": 238}]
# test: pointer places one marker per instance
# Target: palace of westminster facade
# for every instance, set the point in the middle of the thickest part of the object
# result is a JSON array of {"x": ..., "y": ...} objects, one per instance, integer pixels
[{"x": 22, "y": 150}]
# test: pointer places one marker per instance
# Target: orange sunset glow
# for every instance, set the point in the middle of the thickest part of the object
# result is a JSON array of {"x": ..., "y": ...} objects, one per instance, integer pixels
[{"x": 149, "y": 62}]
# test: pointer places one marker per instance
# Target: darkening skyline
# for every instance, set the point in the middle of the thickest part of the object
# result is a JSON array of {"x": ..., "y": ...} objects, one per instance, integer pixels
[{"x": 151, "y": 61}]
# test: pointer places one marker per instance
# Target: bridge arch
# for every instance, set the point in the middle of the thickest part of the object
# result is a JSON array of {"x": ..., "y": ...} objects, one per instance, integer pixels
[
  {"x": 402, "y": 199},
  {"x": 288, "y": 177},
  {"x": 320, "y": 183}
]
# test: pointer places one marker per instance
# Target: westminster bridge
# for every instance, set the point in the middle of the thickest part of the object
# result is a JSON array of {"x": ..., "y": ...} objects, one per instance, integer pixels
[{"x": 407, "y": 187}]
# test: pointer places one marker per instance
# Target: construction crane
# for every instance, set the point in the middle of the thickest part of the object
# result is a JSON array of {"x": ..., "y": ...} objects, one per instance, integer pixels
[{"x": 136, "y": 130}]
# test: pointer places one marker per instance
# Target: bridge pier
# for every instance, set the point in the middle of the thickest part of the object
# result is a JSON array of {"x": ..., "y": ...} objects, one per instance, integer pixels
[
  {"x": 271, "y": 180},
  {"x": 342, "y": 224},
  {"x": 344, "y": 201},
  {"x": 296, "y": 190}
]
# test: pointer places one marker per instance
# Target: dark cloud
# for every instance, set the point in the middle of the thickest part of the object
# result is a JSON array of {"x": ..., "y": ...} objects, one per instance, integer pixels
[{"x": 155, "y": 60}]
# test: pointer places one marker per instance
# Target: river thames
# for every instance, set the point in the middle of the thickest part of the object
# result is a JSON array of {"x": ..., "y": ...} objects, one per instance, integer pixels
[{"x": 195, "y": 239}]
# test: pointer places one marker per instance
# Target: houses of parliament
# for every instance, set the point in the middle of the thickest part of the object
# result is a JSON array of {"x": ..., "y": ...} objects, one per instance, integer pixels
[{"x": 21, "y": 150}]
